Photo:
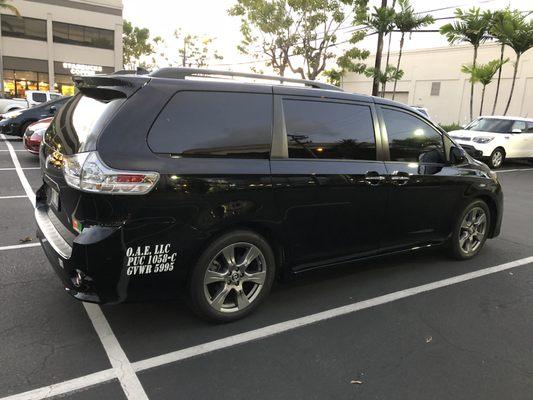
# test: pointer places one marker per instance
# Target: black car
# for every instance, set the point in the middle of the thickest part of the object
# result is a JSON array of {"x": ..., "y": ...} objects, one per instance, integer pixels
[
  {"x": 158, "y": 184},
  {"x": 15, "y": 122}
]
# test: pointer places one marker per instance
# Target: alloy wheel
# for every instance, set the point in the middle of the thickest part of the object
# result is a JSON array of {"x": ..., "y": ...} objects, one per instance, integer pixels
[
  {"x": 497, "y": 159},
  {"x": 473, "y": 230},
  {"x": 235, "y": 277}
]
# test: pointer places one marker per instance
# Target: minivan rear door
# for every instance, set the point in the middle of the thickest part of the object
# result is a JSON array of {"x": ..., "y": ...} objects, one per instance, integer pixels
[{"x": 327, "y": 181}]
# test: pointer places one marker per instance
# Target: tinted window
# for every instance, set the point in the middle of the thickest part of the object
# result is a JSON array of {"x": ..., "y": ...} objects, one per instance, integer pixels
[
  {"x": 493, "y": 125},
  {"x": 519, "y": 125},
  {"x": 38, "y": 97},
  {"x": 214, "y": 124},
  {"x": 28, "y": 28},
  {"x": 329, "y": 130},
  {"x": 411, "y": 139},
  {"x": 83, "y": 35},
  {"x": 529, "y": 127}
]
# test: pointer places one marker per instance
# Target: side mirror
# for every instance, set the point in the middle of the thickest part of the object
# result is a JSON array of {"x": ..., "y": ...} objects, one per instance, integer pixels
[
  {"x": 53, "y": 109},
  {"x": 457, "y": 155},
  {"x": 516, "y": 130}
]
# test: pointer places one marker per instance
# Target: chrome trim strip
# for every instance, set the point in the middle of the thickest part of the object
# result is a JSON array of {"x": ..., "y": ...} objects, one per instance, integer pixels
[{"x": 51, "y": 234}]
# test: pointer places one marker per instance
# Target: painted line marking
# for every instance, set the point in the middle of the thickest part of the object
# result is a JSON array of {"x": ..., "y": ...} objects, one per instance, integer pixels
[
  {"x": 119, "y": 361},
  {"x": 13, "y": 197},
  {"x": 261, "y": 333},
  {"x": 65, "y": 387},
  {"x": 10, "y": 149},
  {"x": 513, "y": 170},
  {"x": 19, "y": 246},
  {"x": 25, "y": 184},
  {"x": 14, "y": 169},
  {"x": 281, "y": 327}
]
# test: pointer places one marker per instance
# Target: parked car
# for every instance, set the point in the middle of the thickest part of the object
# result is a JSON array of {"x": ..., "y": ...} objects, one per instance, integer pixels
[
  {"x": 497, "y": 138},
  {"x": 33, "y": 135},
  {"x": 15, "y": 123},
  {"x": 31, "y": 98},
  {"x": 422, "y": 110},
  {"x": 159, "y": 184}
]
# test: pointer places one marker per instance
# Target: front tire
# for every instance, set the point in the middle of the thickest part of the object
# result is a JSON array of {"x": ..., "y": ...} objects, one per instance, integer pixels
[
  {"x": 471, "y": 231},
  {"x": 496, "y": 158},
  {"x": 232, "y": 276}
]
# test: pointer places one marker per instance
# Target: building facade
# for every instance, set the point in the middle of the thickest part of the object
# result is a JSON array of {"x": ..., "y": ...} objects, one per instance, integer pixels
[
  {"x": 433, "y": 79},
  {"x": 56, "y": 39}
]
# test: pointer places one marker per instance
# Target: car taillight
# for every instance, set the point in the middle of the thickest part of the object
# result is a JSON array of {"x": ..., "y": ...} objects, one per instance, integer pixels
[{"x": 85, "y": 171}]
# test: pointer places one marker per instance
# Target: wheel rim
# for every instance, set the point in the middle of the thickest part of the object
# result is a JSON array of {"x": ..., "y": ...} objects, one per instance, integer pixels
[
  {"x": 235, "y": 277},
  {"x": 497, "y": 158},
  {"x": 473, "y": 229}
]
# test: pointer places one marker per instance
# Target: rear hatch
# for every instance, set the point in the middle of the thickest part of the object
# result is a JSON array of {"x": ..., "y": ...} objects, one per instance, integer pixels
[{"x": 76, "y": 129}]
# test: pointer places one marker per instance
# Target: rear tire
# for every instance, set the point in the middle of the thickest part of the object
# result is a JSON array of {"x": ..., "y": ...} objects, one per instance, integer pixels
[
  {"x": 232, "y": 277},
  {"x": 496, "y": 158},
  {"x": 471, "y": 231}
]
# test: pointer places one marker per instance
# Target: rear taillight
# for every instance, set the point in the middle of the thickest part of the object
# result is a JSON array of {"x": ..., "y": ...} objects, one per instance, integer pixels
[{"x": 85, "y": 171}]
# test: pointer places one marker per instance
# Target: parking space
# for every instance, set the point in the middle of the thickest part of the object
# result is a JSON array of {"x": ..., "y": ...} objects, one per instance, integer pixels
[{"x": 468, "y": 338}]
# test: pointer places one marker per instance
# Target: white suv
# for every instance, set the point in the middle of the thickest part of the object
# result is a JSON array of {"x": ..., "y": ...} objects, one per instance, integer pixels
[{"x": 497, "y": 138}]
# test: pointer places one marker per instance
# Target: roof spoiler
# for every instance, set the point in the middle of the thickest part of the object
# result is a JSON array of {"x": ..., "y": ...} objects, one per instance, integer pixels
[{"x": 109, "y": 87}]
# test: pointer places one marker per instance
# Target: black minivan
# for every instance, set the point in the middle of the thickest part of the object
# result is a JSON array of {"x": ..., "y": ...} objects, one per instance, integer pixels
[{"x": 156, "y": 183}]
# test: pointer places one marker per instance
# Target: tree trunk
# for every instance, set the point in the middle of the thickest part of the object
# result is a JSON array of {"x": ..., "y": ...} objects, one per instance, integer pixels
[
  {"x": 512, "y": 84},
  {"x": 482, "y": 99},
  {"x": 398, "y": 65},
  {"x": 499, "y": 79},
  {"x": 388, "y": 56},
  {"x": 377, "y": 63},
  {"x": 472, "y": 86}
]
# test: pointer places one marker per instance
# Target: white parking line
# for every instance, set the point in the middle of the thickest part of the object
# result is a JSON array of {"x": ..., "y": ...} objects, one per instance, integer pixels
[
  {"x": 271, "y": 330},
  {"x": 121, "y": 365},
  {"x": 19, "y": 246},
  {"x": 513, "y": 170},
  {"x": 23, "y": 180},
  {"x": 14, "y": 169},
  {"x": 21, "y": 196},
  {"x": 9, "y": 149},
  {"x": 65, "y": 387}
]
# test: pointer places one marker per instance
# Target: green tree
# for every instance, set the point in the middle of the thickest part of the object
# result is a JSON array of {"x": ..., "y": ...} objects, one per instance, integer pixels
[
  {"x": 5, "y": 5},
  {"x": 380, "y": 21},
  {"x": 295, "y": 35},
  {"x": 517, "y": 33},
  {"x": 498, "y": 21},
  {"x": 470, "y": 27},
  {"x": 483, "y": 73},
  {"x": 407, "y": 21},
  {"x": 136, "y": 44},
  {"x": 195, "y": 51},
  {"x": 391, "y": 73}
]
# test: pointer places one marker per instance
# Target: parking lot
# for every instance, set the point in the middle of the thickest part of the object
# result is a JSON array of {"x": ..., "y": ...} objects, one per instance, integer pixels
[{"x": 418, "y": 326}]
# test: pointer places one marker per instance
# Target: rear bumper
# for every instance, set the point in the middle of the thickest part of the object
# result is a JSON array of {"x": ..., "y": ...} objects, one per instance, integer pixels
[{"x": 87, "y": 268}]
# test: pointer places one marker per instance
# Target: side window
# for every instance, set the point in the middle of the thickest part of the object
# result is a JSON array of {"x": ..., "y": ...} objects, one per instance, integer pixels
[
  {"x": 214, "y": 124},
  {"x": 411, "y": 139},
  {"x": 529, "y": 127},
  {"x": 519, "y": 125},
  {"x": 38, "y": 97},
  {"x": 328, "y": 130}
]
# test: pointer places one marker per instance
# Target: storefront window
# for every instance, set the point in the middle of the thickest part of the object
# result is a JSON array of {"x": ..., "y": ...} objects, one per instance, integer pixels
[
  {"x": 16, "y": 83},
  {"x": 64, "y": 85}
]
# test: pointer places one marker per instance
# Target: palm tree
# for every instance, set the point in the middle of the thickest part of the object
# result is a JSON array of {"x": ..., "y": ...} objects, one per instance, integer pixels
[
  {"x": 4, "y": 5},
  {"x": 407, "y": 21},
  {"x": 483, "y": 73},
  {"x": 470, "y": 27},
  {"x": 497, "y": 29},
  {"x": 517, "y": 33},
  {"x": 390, "y": 74},
  {"x": 380, "y": 21}
]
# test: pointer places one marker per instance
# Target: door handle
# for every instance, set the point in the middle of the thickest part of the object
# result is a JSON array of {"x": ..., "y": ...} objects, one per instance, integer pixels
[
  {"x": 373, "y": 178},
  {"x": 400, "y": 178}
]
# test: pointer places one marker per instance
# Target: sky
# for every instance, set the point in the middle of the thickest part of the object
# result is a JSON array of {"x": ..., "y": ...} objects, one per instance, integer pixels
[{"x": 209, "y": 18}]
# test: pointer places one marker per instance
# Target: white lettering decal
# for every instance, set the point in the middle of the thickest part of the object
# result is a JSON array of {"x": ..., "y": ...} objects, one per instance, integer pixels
[{"x": 141, "y": 260}]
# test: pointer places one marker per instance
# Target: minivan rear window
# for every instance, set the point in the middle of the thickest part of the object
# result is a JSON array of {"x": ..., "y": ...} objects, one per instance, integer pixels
[
  {"x": 79, "y": 123},
  {"x": 214, "y": 124}
]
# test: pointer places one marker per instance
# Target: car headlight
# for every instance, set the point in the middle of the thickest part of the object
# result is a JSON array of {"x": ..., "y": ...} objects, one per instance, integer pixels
[{"x": 483, "y": 139}]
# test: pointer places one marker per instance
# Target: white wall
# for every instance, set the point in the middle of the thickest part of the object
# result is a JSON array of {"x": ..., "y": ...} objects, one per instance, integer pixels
[{"x": 424, "y": 66}]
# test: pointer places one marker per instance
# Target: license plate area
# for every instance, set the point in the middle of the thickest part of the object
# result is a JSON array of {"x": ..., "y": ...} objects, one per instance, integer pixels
[{"x": 53, "y": 198}]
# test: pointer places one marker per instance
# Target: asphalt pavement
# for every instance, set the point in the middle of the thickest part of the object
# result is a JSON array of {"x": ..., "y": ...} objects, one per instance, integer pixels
[{"x": 417, "y": 326}]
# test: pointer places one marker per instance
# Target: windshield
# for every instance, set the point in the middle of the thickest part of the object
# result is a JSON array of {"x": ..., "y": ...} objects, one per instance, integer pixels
[{"x": 494, "y": 125}]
